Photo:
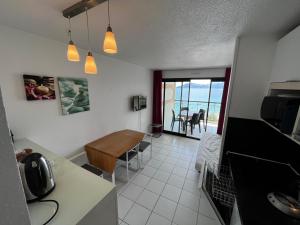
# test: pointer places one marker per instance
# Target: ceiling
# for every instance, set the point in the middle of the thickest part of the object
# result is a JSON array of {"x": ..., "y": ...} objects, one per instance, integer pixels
[{"x": 160, "y": 34}]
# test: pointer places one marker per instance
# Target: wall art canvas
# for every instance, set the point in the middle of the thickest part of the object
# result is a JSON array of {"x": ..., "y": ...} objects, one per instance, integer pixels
[
  {"x": 74, "y": 95},
  {"x": 39, "y": 87}
]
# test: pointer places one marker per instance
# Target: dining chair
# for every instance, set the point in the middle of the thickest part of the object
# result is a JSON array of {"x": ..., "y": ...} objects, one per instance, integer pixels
[
  {"x": 144, "y": 145},
  {"x": 193, "y": 121},
  {"x": 202, "y": 117},
  {"x": 175, "y": 119},
  {"x": 128, "y": 156}
]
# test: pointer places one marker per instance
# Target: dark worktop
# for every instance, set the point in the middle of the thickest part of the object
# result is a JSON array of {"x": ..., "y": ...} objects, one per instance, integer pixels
[{"x": 253, "y": 180}]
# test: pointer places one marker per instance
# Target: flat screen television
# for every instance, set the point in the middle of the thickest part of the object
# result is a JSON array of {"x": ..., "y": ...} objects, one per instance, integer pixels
[{"x": 139, "y": 102}]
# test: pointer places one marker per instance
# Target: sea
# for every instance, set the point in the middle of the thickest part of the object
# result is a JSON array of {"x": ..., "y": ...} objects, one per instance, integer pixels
[{"x": 199, "y": 97}]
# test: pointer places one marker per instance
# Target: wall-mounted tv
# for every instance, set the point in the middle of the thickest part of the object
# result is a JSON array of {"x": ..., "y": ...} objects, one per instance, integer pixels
[{"x": 139, "y": 102}]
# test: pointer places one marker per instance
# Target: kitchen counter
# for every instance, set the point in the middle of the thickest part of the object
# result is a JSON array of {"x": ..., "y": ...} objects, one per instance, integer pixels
[
  {"x": 253, "y": 180},
  {"x": 83, "y": 197}
]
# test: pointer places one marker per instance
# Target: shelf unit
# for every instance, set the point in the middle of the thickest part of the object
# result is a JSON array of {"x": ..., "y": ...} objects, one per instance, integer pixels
[{"x": 291, "y": 88}]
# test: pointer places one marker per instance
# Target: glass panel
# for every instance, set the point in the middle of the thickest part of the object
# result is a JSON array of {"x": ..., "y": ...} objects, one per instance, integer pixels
[
  {"x": 215, "y": 105},
  {"x": 199, "y": 96},
  {"x": 184, "y": 106},
  {"x": 169, "y": 104},
  {"x": 199, "y": 90},
  {"x": 216, "y": 91}
]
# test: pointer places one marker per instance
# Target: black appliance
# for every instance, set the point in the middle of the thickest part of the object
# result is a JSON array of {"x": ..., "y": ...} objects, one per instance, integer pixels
[
  {"x": 280, "y": 111},
  {"x": 139, "y": 102},
  {"x": 37, "y": 176}
]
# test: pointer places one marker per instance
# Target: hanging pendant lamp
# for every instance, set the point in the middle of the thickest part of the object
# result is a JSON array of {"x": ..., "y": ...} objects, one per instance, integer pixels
[
  {"x": 90, "y": 66},
  {"x": 109, "y": 44},
  {"x": 72, "y": 53}
]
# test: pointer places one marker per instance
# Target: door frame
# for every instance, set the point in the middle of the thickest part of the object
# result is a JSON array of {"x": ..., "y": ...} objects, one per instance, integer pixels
[{"x": 164, "y": 80}]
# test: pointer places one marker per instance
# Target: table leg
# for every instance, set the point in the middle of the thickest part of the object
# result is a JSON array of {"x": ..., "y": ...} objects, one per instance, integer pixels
[
  {"x": 113, "y": 178},
  {"x": 138, "y": 161},
  {"x": 127, "y": 165}
]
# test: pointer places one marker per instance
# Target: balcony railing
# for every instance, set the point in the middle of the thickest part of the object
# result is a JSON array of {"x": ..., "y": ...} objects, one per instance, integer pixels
[{"x": 211, "y": 108}]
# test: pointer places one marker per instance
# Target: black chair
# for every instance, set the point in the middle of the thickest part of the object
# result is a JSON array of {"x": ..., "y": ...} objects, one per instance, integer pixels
[
  {"x": 202, "y": 117},
  {"x": 184, "y": 109},
  {"x": 175, "y": 119},
  {"x": 128, "y": 156},
  {"x": 193, "y": 121},
  {"x": 93, "y": 169}
]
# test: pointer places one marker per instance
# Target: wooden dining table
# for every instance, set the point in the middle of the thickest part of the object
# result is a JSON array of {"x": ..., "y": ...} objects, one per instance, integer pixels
[{"x": 104, "y": 152}]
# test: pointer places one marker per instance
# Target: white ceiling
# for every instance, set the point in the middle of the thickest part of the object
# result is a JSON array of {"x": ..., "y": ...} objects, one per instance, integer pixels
[{"x": 160, "y": 34}]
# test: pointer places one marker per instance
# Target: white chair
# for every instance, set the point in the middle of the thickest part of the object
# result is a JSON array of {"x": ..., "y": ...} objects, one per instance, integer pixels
[
  {"x": 128, "y": 156},
  {"x": 144, "y": 144}
]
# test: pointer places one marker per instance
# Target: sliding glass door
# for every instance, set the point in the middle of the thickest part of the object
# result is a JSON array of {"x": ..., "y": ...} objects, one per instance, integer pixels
[
  {"x": 191, "y": 106},
  {"x": 176, "y": 95}
]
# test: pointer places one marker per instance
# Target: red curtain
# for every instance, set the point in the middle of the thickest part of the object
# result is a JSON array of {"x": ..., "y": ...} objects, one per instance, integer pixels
[
  {"x": 224, "y": 101},
  {"x": 157, "y": 99}
]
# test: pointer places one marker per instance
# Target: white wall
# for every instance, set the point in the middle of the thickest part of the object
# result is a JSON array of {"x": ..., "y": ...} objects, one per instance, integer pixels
[
  {"x": 42, "y": 121},
  {"x": 251, "y": 74},
  {"x": 286, "y": 64},
  {"x": 12, "y": 198},
  {"x": 195, "y": 73}
]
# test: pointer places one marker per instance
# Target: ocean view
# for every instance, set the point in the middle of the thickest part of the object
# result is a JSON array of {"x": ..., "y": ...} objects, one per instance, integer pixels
[{"x": 199, "y": 97}]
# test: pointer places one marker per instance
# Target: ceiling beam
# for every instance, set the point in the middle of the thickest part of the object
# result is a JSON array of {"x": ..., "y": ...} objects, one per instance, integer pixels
[{"x": 80, "y": 7}]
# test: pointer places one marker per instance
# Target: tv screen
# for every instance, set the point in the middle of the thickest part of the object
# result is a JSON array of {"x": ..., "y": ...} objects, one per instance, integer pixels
[{"x": 139, "y": 102}]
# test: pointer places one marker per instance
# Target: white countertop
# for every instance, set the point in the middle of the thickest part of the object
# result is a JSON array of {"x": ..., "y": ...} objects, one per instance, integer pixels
[{"x": 77, "y": 190}]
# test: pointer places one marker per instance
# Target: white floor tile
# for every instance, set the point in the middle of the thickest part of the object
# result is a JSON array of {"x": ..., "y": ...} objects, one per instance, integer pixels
[
  {"x": 171, "y": 160},
  {"x": 158, "y": 220},
  {"x": 179, "y": 171},
  {"x": 205, "y": 207},
  {"x": 132, "y": 191},
  {"x": 191, "y": 186},
  {"x": 155, "y": 186},
  {"x": 161, "y": 175},
  {"x": 189, "y": 200},
  {"x": 185, "y": 216},
  {"x": 148, "y": 171},
  {"x": 137, "y": 215},
  {"x": 147, "y": 199},
  {"x": 159, "y": 156},
  {"x": 165, "y": 207},
  {"x": 183, "y": 164},
  {"x": 167, "y": 167},
  {"x": 193, "y": 175},
  {"x": 171, "y": 192},
  {"x": 154, "y": 163},
  {"x": 124, "y": 205},
  {"x": 141, "y": 180},
  {"x": 203, "y": 220},
  {"x": 176, "y": 181}
]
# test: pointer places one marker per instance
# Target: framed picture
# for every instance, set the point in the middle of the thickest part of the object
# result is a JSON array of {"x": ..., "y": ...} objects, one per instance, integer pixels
[
  {"x": 39, "y": 87},
  {"x": 74, "y": 95}
]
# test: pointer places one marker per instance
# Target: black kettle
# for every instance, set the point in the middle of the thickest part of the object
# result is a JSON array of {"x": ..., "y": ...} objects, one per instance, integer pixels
[{"x": 37, "y": 176}]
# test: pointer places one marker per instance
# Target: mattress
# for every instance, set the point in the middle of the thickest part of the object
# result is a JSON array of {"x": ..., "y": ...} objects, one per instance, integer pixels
[{"x": 208, "y": 150}]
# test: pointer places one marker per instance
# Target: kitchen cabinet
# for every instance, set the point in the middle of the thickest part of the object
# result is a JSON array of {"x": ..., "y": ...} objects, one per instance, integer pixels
[{"x": 83, "y": 197}]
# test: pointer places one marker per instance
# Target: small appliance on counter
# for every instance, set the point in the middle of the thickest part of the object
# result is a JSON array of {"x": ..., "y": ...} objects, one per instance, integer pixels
[
  {"x": 285, "y": 203},
  {"x": 37, "y": 176},
  {"x": 280, "y": 111}
]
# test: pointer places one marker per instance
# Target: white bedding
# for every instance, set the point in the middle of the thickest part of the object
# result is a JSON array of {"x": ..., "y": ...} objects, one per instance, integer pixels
[{"x": 209, "y": 150}]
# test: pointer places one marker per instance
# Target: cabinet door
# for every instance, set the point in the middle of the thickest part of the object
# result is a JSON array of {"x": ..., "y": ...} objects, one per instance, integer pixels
[{"x": 104, "y": 213}]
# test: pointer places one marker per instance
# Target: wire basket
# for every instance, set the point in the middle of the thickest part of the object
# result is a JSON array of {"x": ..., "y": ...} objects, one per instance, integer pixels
[{"x": 222, "y": 185}]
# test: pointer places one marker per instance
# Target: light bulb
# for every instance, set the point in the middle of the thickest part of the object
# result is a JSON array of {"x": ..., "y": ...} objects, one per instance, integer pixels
[
  {"x": 72, "y": 53},
  {"x": 109, "y": 44},
  {"x": 90, "y": 66}
]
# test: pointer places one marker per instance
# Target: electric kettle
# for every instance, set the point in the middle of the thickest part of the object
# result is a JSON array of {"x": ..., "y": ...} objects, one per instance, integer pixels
[{"x": 37, "y": 176}]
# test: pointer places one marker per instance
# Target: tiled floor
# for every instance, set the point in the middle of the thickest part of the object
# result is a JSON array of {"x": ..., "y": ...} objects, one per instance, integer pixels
[
  {"x": 165, "y": 191},
  {"x": 211, "y": 127}
]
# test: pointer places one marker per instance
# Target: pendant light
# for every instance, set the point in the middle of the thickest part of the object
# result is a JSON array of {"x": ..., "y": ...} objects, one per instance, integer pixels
[
  {"x": 72, "y": 53},
  {"x": 90, "y": 66},
  {"x": 109, "y": 44}
]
